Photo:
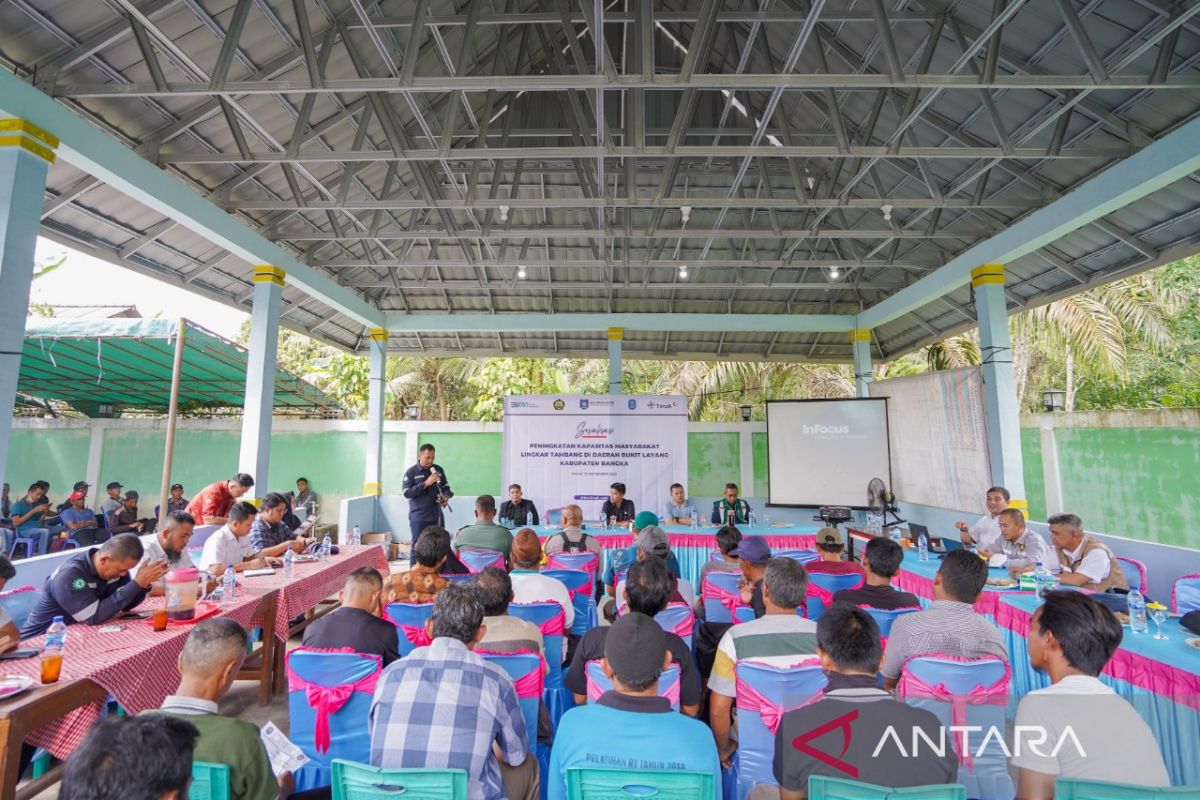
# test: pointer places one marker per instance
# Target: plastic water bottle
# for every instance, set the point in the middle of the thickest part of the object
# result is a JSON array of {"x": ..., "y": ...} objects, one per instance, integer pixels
[
  {"x": 356, "y": 535},
  {"x": 695, "y": 521},
  {"x": 923, "y": 548},
  {"x": 897, "y": 537},
  {"x": 750, "y": 520},
  {"x": 229, "y": 585},
  {"x": 52, "y": 650},
  {"x": 1043, "y": 580},
  {"x": 1137, "y": 612},
  {"x": 289, "y": 564},
  {"x": 326, "y": 548},
  {"x": 603, "y": 522}
]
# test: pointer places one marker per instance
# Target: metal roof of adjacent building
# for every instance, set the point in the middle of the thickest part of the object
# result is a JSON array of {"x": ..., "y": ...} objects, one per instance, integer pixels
[{"x": 477, "y": 158}]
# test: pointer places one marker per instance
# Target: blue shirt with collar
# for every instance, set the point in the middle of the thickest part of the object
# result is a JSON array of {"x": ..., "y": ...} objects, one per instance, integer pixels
[{"x": 77, "y": 594}]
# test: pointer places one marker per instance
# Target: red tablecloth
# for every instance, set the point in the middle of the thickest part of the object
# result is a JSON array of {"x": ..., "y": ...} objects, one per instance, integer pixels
[{"x": 315, "y": 581}]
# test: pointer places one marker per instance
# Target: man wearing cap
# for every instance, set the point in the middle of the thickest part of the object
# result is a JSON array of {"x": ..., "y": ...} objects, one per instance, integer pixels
[
  {"x": 830, "y": 546},
  {"x": 80, "y": 486},
  {"x": 529, "y": 585},
  {"x": 126, "y": 520},
  {"x": 112, "y": 504},
  {"x": 211, "y": 505},
  {"x": 630, "y": 727},
  {"x": 619, "y": 560},
  {"x": 80, "y": 521},
  {"x": 752, "y": 554},
  {"x": 177, "y": 502},
  {"x": 652, "y": 541}
]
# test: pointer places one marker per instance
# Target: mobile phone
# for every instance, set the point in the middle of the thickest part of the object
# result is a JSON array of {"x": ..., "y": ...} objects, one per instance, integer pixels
[{"x": 16, "y": 655}]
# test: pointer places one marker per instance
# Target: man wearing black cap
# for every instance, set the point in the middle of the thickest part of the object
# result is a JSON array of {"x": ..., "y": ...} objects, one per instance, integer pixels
[
  {"x": 126, "y": 520},
  {"x": 631, "y": 727},
  {"x": 177, "y": 502},
  {"x": 752, "y": 554},
  {"x": 112, "y": 504}
]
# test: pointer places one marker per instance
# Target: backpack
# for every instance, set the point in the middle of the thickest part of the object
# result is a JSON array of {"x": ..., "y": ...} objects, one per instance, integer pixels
[{"x": 574, "y": 547}]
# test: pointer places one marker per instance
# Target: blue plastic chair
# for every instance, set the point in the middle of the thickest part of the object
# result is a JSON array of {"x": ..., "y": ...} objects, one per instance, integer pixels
[
  {"x": 362, "y": 782},
  {"x": 987, "y": 776},
  {"x": 31, "y": 543},
  {"x": 679, "y": 619},
  {"x": 821, "y": 787},
  {"x": 784, "y": 687},
  {"x": 553, "y": 516},
  {"x": 743, "y": 614},
  {"x": 458, "y": 578},
  {"x": 479, "y": 560},
  {"x": 1078, "y": 789},
  {"x": 349, "y": 734},
  {"x": 586, "y": 561},
  {"x": 598, "y": 683},
  {"x": 835, "y": 583},
  {"x": 579, "y": 583},
  {"x": 801, "y": 556},
  {"x": 409, "y": 618},
  {"x": 598, "y": 783},
  {"x": 1185, "y": 594},
  {"x": 557, "y": 698},
  {"x": 715, "y": 610},
  {"x": 1135, "y": 573},
  {"x": 885, "y": 618},
  {"x": 209, "y": 781},
  {"x": 520, "y": 665},
  {"x": 19, "y": 603}
]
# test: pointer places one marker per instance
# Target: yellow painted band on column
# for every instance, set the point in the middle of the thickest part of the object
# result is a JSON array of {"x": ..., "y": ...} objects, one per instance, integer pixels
[
  {"x": 265, "y": 273},
  {"x": 372, "y": 488},
  {"x": 986, "y": 274},
  {"x": 1020, "y": 505},
  {"x": 29, "y": 146},
  {"x": 860, "y": 335},
  {"x": 379, "y": 334},
  {"x": 26, "y": 128},
  {"x": 616, "y": 334}
]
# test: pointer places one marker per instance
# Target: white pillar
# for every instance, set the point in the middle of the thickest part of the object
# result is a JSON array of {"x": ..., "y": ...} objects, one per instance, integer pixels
[
  {"x": 373, "y": 480},
  {"x": 255, "y": 450},
  {"x": 999, "y": 387},
  {"x": 1050, "y": 472},
  {"x": 615, "y": 336},
  {"x": 860, "y": 340},
  {"x": 26, "y": 153}
]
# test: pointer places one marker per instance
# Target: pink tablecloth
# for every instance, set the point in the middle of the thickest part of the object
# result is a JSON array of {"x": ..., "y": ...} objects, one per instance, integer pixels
[
  {"x": 922, "y": 586},
  {"x": 315, "y": 581},
  {"x": 790, "y": 541}
]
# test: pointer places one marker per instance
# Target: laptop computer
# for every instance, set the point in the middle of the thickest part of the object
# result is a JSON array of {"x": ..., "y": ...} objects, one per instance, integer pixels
[{"x": 936, "y": 543}]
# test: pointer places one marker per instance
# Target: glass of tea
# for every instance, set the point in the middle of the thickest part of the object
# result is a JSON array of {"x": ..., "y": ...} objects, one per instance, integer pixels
[{"x": 160, "y": 619}]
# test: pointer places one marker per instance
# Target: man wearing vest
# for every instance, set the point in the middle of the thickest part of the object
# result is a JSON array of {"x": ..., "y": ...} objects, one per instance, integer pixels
[
  {"x": 1084, "y": 560},
  {"x": 571, "y": 539}
]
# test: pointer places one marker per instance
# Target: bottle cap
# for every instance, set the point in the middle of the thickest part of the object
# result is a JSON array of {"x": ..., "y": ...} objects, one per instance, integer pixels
[{"x": 56, "y": 619}]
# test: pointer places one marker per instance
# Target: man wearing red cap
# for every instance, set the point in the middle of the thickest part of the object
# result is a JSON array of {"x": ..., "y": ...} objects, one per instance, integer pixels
[{"x": 80, "y": 521}]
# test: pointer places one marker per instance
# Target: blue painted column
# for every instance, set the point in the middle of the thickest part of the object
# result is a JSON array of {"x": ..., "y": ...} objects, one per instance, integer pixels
[
  {"x": 26, "y": 153},
  {"x": 860, "y": 341},
  {"x": 999, "y": 387},
  {"x": 255, "y": 453},
  {"x": 615, "y": 337},
  {"x": 373, "y": 480}
]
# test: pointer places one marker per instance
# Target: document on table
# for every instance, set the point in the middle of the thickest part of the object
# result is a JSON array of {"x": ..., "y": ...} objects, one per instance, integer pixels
[
  {"x": 258, "y": 573},
  {"x": 285, "y": 756}
]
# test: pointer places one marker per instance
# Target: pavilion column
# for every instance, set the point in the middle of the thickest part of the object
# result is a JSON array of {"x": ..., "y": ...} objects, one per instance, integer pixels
[
  {"x": 255, "y": 452},
  {"x": 26, "y": 153},
  {"x": 860, "y": 340},
  {"x": 1001, "y": 407},
  {"x": 373, "y": 481},
  {"x": 615, "y": 337}
]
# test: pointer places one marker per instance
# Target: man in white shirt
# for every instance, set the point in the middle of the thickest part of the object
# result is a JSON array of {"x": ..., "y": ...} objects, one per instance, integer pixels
[
  {"x": 1022, "y": 546},
  {"x": 170, "y": 545},
  {"x": 1088, "y": 731},
  {"x": 1081, "y": 559},
  {"x": 986, "y": 530},
  {"x": 231, "y": 544}
]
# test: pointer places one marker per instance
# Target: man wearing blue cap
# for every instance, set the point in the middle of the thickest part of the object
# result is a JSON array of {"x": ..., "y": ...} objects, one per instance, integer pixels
[{"x": 752, "y": 553}]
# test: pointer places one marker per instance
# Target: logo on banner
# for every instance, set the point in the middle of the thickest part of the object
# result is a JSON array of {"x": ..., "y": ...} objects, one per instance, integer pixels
[
  {"x": 632, "y": 404},
  {"x": 520, "y": 404},
  {"x": 559, "y": 405},
  {"x": 583, "y": 403},
  {"x": 652, "y": 404}
]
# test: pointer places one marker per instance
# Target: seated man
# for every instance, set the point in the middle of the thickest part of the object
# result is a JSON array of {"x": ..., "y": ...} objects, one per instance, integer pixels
[
  {"x": 830, "y": 548},
  {"x": 94, "y": 586},
  {"x": 518, "y": 509},
  {"x": 80, "y": 521},
  {"x": 230, "y": 545},
  {"x": 529, "y": 585},
  {"x": 572, "y": 539},
  {"x": 678, "y": 510},
  {"x": 113, "y": 502},
  {"x": 208, "y": 666},
  {"x": 485, "y": 534},
  {"x": 147, "y": 757},
  {"x": 950, "y": 626},
  {"x": 986, "y": 530},
  {"x": 655, "y": 543},
  {"x": 1071, "y": 637},
  {"x": 780, "y": 637},
  {"x": 443, "y": 706},
  {"x": 618, "y": 509},
  {"x": 10, "y": 637},
  {"x": 304, "y": 497},
  {"x": 170, "y": 545},
  {"x": 630, "y": 727},
  {"x": 81, "y": 487},
  {"x": 423, "y": 582},
  {"x": 505, "y": 633},
  {"x": 881, "y": 561},
  {"x": 848, "y": 645},
  {"x": 126, "y": 520},
  {"x": 1024, "y": 548},
  {"x": 211, "y": 504},
  {"x": 270, "y": 535},
  {"x": 28, "y": 516},
  {"x": 355, "y": 623},
  {"x": 176, "y": 501},
  {"x": 730, "y": 509},
  {"x": 652, "y": 541},
  {"x": 752, "y": 554},
  {"x": 1082, "y": 559},
  {"x": 648, "y": 588},
  {"x": 728, "y": 538}
]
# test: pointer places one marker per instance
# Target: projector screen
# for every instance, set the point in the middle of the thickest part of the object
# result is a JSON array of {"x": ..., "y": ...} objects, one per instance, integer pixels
[{"x": 825, "y": 452}]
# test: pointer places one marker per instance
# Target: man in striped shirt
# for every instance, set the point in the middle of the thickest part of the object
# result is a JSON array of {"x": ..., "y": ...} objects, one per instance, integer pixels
[{"x": 779, "y": 637}]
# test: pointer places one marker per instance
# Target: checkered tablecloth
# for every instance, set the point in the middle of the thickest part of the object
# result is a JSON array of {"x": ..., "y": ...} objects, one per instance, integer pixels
[
  {"x": 315, "y": 581},
  {"x": 136, "y": 665}
]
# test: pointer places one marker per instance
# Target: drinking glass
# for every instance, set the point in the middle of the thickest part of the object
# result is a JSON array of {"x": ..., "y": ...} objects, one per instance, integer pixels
[{"x": 1159, "y": 615}]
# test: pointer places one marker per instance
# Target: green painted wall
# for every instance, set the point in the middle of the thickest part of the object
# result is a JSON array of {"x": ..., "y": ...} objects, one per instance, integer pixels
[
  {"x": 1035, "y": 478},
  {"x": 471, "y": 460},
  {"x": 58, "y": 456},
  {"x": 758, "y": 448},
  {"x": 714, "y": 459}
]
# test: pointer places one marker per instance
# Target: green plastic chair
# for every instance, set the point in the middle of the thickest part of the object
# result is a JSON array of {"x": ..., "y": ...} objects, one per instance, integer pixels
[
  {"x": 597, "y": 783},
  {"x": 821, "y": 787},
  {"x": 353, "y": 781},
  {"x": 209, "y": 781},
  {"x": 1076, "y": 789}
]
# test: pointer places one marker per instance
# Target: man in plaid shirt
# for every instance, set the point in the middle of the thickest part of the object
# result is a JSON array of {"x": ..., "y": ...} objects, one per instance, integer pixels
[{"x": 444, "y": 707}]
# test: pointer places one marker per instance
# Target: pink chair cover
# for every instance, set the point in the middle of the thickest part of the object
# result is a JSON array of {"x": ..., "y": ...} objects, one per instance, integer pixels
[
  {"x": 529, "y": 685},
  {"x": 594, "y": 690},
  {"x": 996, "y": 694},
  {"x": 749, "y": 699},
  {"x": 824, "y": 595},
  {"x": 685, "y": 626},
  {"x": 554, "y": 562},
  {"x": 18, "y": 590},
  {"x": 418, "y": 636},
  {"x": 731, "y": 600},
  {"x": 479, "y": 566},
  {"x": 556, "y": 625},
  {"x": 326, "y": 700}
]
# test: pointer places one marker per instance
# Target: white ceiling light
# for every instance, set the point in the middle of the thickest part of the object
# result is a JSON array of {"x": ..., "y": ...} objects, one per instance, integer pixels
[
  {"x": 521, "y": 271},
  {"x": 834, "y": 273},
  {"x": 687, "y": 213},
  {"x": 683, "y": 270},
  {"x": 886, "y": 208},
  {"x": 504, "y": 214}
]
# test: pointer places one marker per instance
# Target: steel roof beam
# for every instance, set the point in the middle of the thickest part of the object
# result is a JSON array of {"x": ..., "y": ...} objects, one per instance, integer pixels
[
  {"x": 521, "y": 322},
  {"x": 553, "y": 202},
  {"x": 617, "y": 232}
]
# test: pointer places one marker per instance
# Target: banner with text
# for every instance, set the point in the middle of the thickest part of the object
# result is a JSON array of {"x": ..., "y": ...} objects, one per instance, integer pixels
[{"x": 566, "y": 449}]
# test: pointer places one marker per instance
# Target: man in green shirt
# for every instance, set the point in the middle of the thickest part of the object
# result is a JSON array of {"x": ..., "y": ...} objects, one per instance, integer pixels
[
  {"x": 485, "y": 534},
  {"x": 211, "y": 659}
]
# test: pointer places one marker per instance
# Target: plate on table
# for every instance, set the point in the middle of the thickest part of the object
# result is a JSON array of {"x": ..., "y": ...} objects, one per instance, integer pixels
[
  {"x": 305, "y": 559},
  {"x": 1001, "y": 583},
  {"x": 204, "y": 610},
  {"x": 12, "y": 685}
]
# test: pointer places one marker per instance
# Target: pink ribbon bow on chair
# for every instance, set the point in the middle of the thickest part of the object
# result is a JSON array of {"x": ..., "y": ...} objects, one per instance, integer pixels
[
  {"x": 326, "y": 700},
  {"x": 996, "y": 694}
]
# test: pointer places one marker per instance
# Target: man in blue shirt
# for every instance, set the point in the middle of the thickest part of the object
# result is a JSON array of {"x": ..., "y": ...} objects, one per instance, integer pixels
[
  {"x": 28, "y": 514},
  {"x": 679, "y": 510},
  {"x": 80, "y": 521},
  {"x": 428, "y": 491},
  {"x": 631, "y": 727}
]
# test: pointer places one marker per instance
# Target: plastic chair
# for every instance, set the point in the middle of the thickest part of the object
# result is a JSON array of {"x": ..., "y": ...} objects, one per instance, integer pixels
[
  {"x": 19, "y": 603},
  {"x": 1185, "y": 594},
  {"x": 479, "y": 560},
  {"x": 885, "y": 617},
  {"x": 720, "y": 593},
  {"x": 1136, "y": 576},
  {"x": 598, "y": 683},
  {"x": 553, "y": 516},
  {"x": 743, "y": 614},
  {"x": 525, "y": 669},
  {"x": 1079, "y": 789},
  {"x": 835, "y": 583},
  {"x": 764, "y": 694},
  {"x": 588, "y": 562},
  {"x": 580, "y": 584},
  {"x": 209, "y": 781},
  {"x": 30, "y": 541},
  {"x": 966, "y": 692},
  {"x": 823, "y": 788},
  {"x": 551, "y": 620},
  {"x": 410, "y": 619},
  {"x": 327, "y": 721},
  {"x": 816, "y": 600},
  {"x": 353, "y": 781},
  {"x": 801, "y": 556},
  {"x": 597, "y": 783},
  {"x": 678, "y": 618}
]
